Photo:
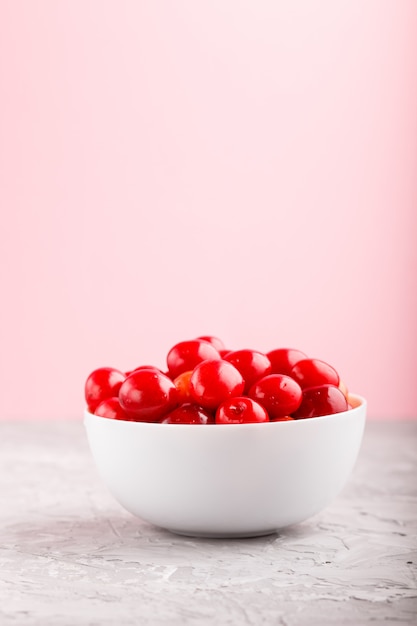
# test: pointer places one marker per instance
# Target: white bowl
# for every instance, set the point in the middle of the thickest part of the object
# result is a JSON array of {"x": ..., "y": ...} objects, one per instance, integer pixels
[{"x": 227, "y": 480}]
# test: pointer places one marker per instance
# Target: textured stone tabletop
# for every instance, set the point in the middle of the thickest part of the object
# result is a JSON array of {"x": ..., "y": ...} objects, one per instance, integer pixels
[{"x": 69, "y": 555}]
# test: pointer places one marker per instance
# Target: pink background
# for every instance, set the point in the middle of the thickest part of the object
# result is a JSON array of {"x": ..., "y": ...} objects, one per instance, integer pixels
[{"x": 240, "y": 168}]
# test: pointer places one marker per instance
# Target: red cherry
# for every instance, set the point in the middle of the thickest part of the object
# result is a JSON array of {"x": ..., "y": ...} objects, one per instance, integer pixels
[
  {"x": 111, "y": 409},
  {"x": 313, "y": 372},
  {"x": 184, "y": 356},
  {"x": 240, "y": 410},
  {"x": 353, "y": 401},
  {"x": 146, "y": 367},
  {"x": 279, "y": 394},
  {"x": 321, "y": 400},
  {"x": 215, "y": 341},
  {"x": 182, "y": 383},
  {"x": 343, "y": 389},
  {"x": 101, "y": 384},
  {"x": 147, "y": 395},
  {"x": 213, "y": 382},
  {"x": 143, "y": 367},
  {"x": 285, "y": 418},
  {"x": 284, "y": 359},
  {"x": 189, "y": 414},
  {"x": 251, "y": 364}
]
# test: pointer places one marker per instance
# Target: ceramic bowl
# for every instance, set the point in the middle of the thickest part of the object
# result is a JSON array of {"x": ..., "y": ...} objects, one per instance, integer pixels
[{"x": 227, "y": 480}]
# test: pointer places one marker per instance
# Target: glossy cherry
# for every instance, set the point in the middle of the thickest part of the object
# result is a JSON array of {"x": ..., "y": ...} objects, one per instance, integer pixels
[
  {"x": 321, "y": 400},
  {"x": 241, "y": 410},
  {"x": 279, "y": 394},
  {"x": 284, "y": 418},
  {"x": 101, "y": 384},
  {"x": 252, "y": 364},
  {"x": 313, "y": 372},
  {"x": 215, "y": 341},
  {"x": 343, "y": 389},
  {"x": 213, "y": 382},
  {"x": 189, "y": 414},
  {"x": 143, "y": 367},
  {"x": 184, "y": 356},
  {"x": 147, "y": 395},
  {"x": 283, "y": 360},
  {"x": 146, "y": 367},
  {"x": 182, "y": 383},
  {"x": 111, "y": 409}
]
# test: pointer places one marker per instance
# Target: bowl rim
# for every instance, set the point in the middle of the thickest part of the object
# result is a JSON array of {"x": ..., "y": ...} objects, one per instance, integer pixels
[{"x": 360, "y": 407}]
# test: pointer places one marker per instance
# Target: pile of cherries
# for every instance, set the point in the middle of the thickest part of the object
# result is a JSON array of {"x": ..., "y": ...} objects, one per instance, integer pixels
[{"x": 207, "y": 384}]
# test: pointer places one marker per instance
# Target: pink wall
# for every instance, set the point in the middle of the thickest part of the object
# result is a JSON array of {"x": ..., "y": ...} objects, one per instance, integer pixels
[{"x": 239, "y": 168}]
